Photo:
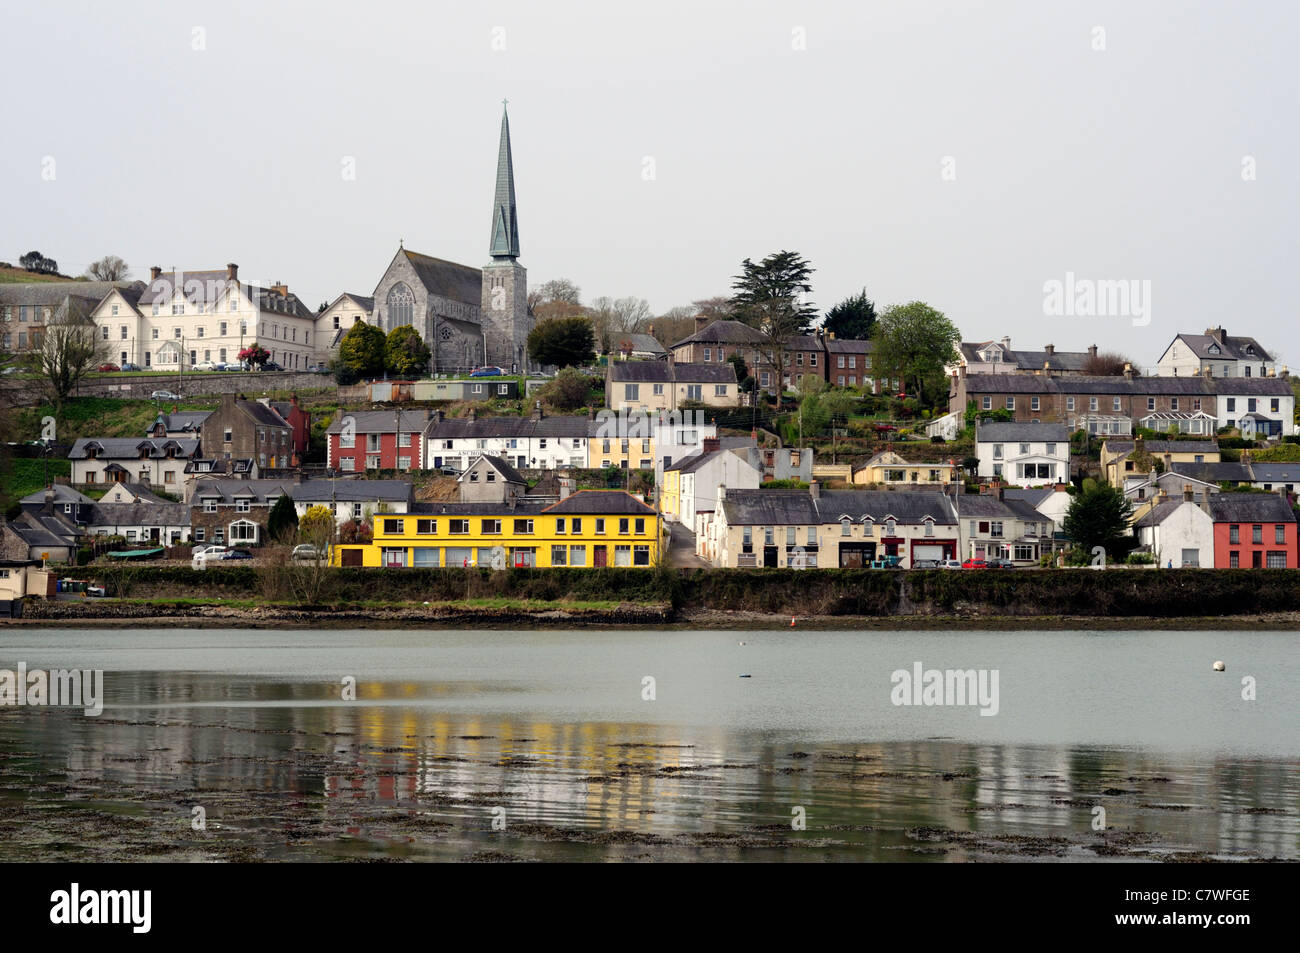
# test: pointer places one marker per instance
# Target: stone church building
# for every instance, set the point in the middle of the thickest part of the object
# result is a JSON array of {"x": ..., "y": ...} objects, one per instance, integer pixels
[{"x": 469, "y": 317}]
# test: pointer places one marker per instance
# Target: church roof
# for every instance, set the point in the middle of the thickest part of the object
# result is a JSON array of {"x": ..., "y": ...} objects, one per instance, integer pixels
[{"x": 447, "y": 279}]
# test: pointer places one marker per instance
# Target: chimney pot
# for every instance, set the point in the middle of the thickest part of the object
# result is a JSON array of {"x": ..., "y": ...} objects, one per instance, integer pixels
[
  {"x": 155, "y": 273},
  {"x": 232, "y": 271}
]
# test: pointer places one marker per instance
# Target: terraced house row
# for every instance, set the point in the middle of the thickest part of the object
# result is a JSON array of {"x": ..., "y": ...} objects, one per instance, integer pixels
[{"x": 427, "y": 440}]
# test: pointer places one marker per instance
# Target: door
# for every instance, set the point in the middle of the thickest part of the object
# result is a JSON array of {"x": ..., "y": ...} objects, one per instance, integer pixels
[
  {"x": 927, "y": 551},
  {"x": 351, "y": 557},
  {"x": 769, "y": 557},
  {"x": 599, "y": 556}
]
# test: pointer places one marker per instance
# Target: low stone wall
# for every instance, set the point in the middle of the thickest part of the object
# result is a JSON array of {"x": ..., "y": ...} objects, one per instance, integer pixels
[{"x": 27, "y": 391}]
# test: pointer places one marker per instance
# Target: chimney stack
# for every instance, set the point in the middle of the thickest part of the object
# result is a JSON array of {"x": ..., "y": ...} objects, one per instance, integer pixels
[
  {"x": 1092, "y": 351},
  {"x": 1006, "y": 342},
  {"x": 1187, "y": 493},
  {"x": 1050, "y": 349},
  {"x": 155, "y": 273},
  {"x": 1128, "y": 371},
  {"x": 815, "y": 489},
  {"x": 537, "y": 410},
  {"x": 700, "y": 322},
  {"x": 232, "y": 272},
  {"x": 711, "y": 445},
  {"x": 1208, "y": 371}
]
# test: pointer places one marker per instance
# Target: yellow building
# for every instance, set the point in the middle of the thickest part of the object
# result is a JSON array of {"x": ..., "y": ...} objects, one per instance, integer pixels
[
  {"x": 1125, "y": 460},
  {"x": 889, "y": 469},
  {"x": 590, "y": 528},
  {"x": 626, "y": 453}
]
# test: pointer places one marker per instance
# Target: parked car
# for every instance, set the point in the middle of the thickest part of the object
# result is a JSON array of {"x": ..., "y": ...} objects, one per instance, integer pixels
[
  {"x": 950, "y": 564},
  {"x": 307, "y": 551},
  {"x": 975, "y": 563},
  {"x": 237, "y": 554},
  {"x": 236, "y": 366},
  {"x": 128, "y": 366},
  {"x": 212, "y": 551},
  {"x": 108, "y": 368},
  {"x": 926, "y": 563},
  {"x": 96, "y": 590},
  {"x": 204, "y": 366},
  {"x": 164, "y": 395},
  {"x": 998, "y": 562},
  {"x": 488, "y": 371},
  {"x": 886, "y": 562},
  {"x": 272, "y": 366}
]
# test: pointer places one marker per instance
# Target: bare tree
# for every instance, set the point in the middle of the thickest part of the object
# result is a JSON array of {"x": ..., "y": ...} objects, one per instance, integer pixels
[
  {"x": 71, "y": 348},
  {"x": 108, "y": 268},
  {"x": 1108, "y": 364},
  {"x": 614, "y": 318}
]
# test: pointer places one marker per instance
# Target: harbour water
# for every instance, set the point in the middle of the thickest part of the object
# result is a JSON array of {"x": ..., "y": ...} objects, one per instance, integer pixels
[{"x": 786, "y": 745}]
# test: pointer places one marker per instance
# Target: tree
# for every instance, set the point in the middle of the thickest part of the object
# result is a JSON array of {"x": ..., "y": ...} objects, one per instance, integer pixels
[
  {"x": 853, "y": 318},
  {"x": 563, "y": 342},
  {"x": 282, "y": 522},
  {"x": 35, "y": 261},
  {"x": 316, "y": 527},
  {"x": 364, "y": 350},
  {"x": 1099, "y": 516},
  {"x": 1107, "y": 364},
  {"x": 405, "y": 353},
  {"x": 746, "y": 382},
  {"x": 615, "y": 318},
  {"x": 555, "y": 290},
  {"x": 914, "y": 342},
  {"x": 70, "y": 349},
  {"x": 108, "y": 268},
  {"x": 769, "y": 296},
  {"x": 570, "y": 390},
  {"x": 255, "y": 354}
]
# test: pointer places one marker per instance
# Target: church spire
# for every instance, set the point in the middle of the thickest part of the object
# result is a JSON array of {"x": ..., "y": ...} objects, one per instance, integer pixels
[{"x": 505, "y": 226}]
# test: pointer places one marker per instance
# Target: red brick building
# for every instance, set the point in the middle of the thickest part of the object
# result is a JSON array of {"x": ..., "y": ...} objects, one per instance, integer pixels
[{"x": 376, "y": 440}]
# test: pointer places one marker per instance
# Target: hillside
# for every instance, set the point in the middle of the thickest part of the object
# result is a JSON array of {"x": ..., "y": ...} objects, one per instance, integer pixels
[{"x": 21, "y": 276}]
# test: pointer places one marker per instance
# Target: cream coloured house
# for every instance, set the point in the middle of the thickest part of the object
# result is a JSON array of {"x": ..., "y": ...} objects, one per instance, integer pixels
[
  {"x": 183, "y": 319},
  {"x": 336, "y": 320}
]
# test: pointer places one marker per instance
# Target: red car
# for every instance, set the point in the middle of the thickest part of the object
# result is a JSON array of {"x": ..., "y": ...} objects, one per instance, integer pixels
[
  {"x": 107, "y": 368},
  {"x": 975, "y": 563}
]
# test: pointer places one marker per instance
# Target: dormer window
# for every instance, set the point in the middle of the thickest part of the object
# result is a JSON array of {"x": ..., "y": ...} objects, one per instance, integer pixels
[{"x": 1214, "y": 349}]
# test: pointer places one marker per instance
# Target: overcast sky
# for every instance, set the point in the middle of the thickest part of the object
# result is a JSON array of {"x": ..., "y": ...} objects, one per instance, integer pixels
[{"x": 963, "y": 154}]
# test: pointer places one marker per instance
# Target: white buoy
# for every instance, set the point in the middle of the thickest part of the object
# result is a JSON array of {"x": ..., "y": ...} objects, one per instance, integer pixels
[
  {"x": 1220, "y": 667},
  {"x": 740, "y": 643}
]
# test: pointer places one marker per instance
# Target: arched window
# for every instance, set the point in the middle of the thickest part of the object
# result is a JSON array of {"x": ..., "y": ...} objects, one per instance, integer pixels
[{"x": 401, "y": 306}]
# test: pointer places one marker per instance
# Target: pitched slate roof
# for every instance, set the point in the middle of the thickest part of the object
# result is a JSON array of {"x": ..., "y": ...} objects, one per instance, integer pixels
[
  {"x": 725, "y": 332},
  {"x": 447, "y": 279},
  {"x": 1034, "y": 496},
  {"x": 128, "y": 448},
  {"x": 1118, "y": 386},
  {"x": 1270, "y": 472},
  {"x": 138, "y": 514},
  {"x": 800, "y": 508},
  {"x": 1162, "y": 511},
  {"x": 1250, "y": 508},
  {"x": 694, "y": 460},
  {"x": 54, "y": 293},
  {"x": 646, "y": 343},
  {"x": 987, "y": 505},
  {"x": 1164, "y": 446},
  {"x": 1213, "y": 472},
  {"x": 522, "y": 507},
  {"x": 849, "y": 346},
  {"x": 599, "y": 502},
  {"x": 226, "y": 491},
  {"x": 1252, "y": 386},
  {"x": 62, "y": 494},
  {"x": 380, "y": 421},
  {"x": 142, "y": 493},
  {"x": 990, "y": 431},
  {"x": 508, "y": 473},
  {"x": 190, "y": 420},
  {"x": 1232, "y": 347},
  {"x": 482, "y": 428},
  {"x": 352, "y": 491},
  {"x": 659, "y": 372},
  {"x": 1072, "y": 361}
]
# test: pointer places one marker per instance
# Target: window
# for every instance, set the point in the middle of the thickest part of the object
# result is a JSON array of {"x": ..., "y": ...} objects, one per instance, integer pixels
[
  {"x": 658, "y": 390},
  {"x": 1033, "y": 403},
  {"x": 1257, "y": 534},
  {"x": 985, "y": 403},
  {"x": 1276, "y": 559},
  {"x": 719, "y": 390},
  {"x": 426, "y": 527},
  {"x": 1069, "y": 403},
  {"x": 577, "y": 555},
  {"x": 622, "y": 555},
  {"x": 997, "y": 451},
  {"x": 995, "y": 529},
  {"x": 1234, "y": 533},
  {"x": 458, "y": 527},
  {"x": 1092, "y": 403},
  {"x": 209, "y": 506},
  {"x": 1279, "y": 533},
  {"x": 631, "y": 391},
  {"x": 523, "y": 527},
  {"x": 559, "y": 526},
  {"x": 1232, "y": 405},
  {"x": 623, "y": 525},
  {"x": 600, "y": 526},
  {"x": 559, "y": 555},
  {"x": 641, "y": 555},
  {"x": 401, "y": 306},
  {"x": 708, "y": 355},
  {"x": 696, "y": 392},
  {"x": 1011, "y": 403},
  {"x": 639, "y": 529},
  {"x": 243, "y": 531},
  {"x": 242, "y": 506},
  {"x": 1234, "y": 560},
  {"x": 200, "y": 534},
  {"x": 393, "y": 527}
]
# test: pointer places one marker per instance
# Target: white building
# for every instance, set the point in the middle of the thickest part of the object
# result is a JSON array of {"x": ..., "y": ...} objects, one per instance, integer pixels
[
  {"x": 697, "y": 478},
  {"x": 1261, "y": 407},
  {"x": 1027, "y": 454},
  {"x": 353, "y": 499},
  {"x": 1179, "y": 532},
  {"x": 336, "y": 320},
  {"x": 1189, "y": 355},
  {"x": 200, "y": 317},
  {"x": 159, "y": 462},
  {"x": 528, "y": 443}
]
